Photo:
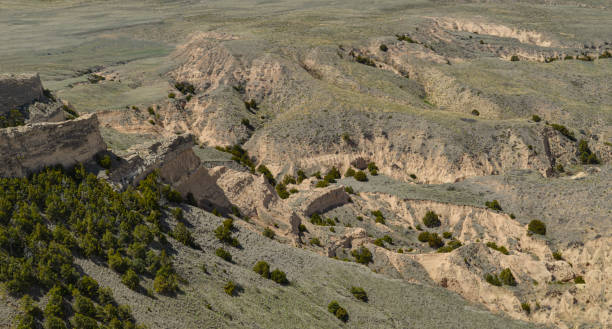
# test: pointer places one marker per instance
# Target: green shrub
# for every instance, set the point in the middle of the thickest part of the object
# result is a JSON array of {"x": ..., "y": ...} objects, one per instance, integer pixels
[
  {"x": 435, "y": 241},
  {"x": 537, "y": 227},
  {"x": 182, "y": 234},
  {"x": 564, "y": 131},
  {"x": 450, "y": 246},
  {"x": 171, "y": 95},
  {"x": 84, "y": 306},
  {"x": 359, "y": 293},
  {"x": 405, "y": 38},
  {"x": 332, "y": 175},
  {"x": 130, "y": 279},
  {"x": 365, "y": 60},
  {"x": 362, "y": 255},
  {"x": 579, "y": 280},
  {"x": 586, "y": 156},
  {"x": 223, "y": 232},
  {"x": 475, "y": 113},
  {"x": 279, "y": 277},
  {"x": 526, "y": 307},
  {"x": 514, "y": 58},
  {"x": 268, "y": 233},
  {"x": 281, "y": 189},
  {"x": 361, "y": 176},
  {"x": 105, "y": 161},
  {"x": 501, "y": 249},
  {"x": 288, "y": 179},
  {"x": 302, "y": 228},
  {"x": 165, "y": 281},
  {"x": 379, "y": 218},
  {"x": 413, "y": 176},
  {"x": 379, "y": 242},
  {"x": 383, "y": 47},
  {"x": 493, "y": 279},
  {"x": 262, "y": 268},
  {"x": 231, "y": 288},
  {"x": 322, "y": 183},
  {"x": 536, "y": 118},
  {"x": 493, "y": 205},
  {"x": 557, "y": 255},
  {"x": 54, "y": 322},
  {"x": 334, "y": 308},
  {"x": 447, "y": 235},
  {"x": 224, "y": 254},
  {"x": 507, "y": 278},
  {"x": 88, "y": 286},
  {"x": 84, "y": 322},
  {"x": 185, "y": 88},
  {"x": 349, "y": 190},
  {"x": 315, "y": 242},
  {"x": 372, "y": 168},
  {"x": 423, "y": 236},
  {"x": 387, "y": 239},
  {"x": 431, "y": 219},
  {"x": 262, "y": 169},
  {"x": 350, "y": 172}
]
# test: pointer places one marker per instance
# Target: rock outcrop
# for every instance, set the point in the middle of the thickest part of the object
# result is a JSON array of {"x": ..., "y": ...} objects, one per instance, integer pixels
[
  {"x": 29, "y": 148},
  {"x": 19, "y": 90}
]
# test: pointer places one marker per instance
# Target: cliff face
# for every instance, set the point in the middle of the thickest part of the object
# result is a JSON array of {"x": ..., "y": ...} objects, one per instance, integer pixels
[
  {"x": 19, "y": 90},
  {"x": 31, "y": 147}
]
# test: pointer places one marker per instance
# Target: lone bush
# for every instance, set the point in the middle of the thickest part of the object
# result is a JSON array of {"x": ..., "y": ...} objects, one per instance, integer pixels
[
  {"x": 315, "y": 242},
  {"x": 334, "y": 308},
  {"x": 350, "y": 172},
  {"x": 493, "y": 279},
  {"x": 224, "y": 254},
  {"x": 435, "y": 241},
  {"x": 536, "y": 118},
  {"x": 231, "y": 288},
  {"x": 526, "y": 307},
  {"x": 182, "y": 234},
  {"x": 507, "y": 278},
  {"x": 361, "y": 176},
  {"x": 268, "y": 233},
  {"x": 537, "y": 227},
  {"x": 431, "y": 219},
  {"x": 493, "y": 205},
  {"x": 105, "y": 161},
  {"x": 564, "y": 131},
  {"x": 359, "y": 293},
  {"x": 130, "y": 279},
  {"x": 501, "y": 249},
  {"x": 279, "y": 277},
  {"x": 586, "y": 156},
  {"x": 362, "y": 255},
  {"x": 579, "y": 280},
  {"x": 262, "y": 268},
  {"x": 423, "y": 236},
  {"x": 384, "y": 47}
]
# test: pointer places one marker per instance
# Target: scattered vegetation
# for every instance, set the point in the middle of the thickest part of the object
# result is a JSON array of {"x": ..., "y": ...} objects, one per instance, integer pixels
[
  {"x": 384, "y": 47},
  {"x": 406, "y": 38},
  {"x": 365, "y": 60},
  {"x": 262, "y": 268},
  {"x": 315, "y": 242},
  {"x": 104, "y": 161},
  {"x": 262, "y": 169},
  {"x": 316, "y": 219},
  {"x": 493, "y": 279},
  {"x": 239, "y": 155},
  {"x": 536, "y": 118},
  {"x": 350, "y": 172},
  {"x": 557, "y": 255},
  {"x": 514, "y": 58},
  {"x": 447, "y": 235},
  {"x": 185, "y": 88},
  {"x": 172, "y": 95},
  {"x": 373, "y": 169},
  {"x": 431, "y": 219},
  {"x": 475, "y": 113},
  {"x": 279, "y": 277},
  {"x": 13, "y": 119},
  {"x": 231, "y": 288},
  {"x": 579, "y": 280}
]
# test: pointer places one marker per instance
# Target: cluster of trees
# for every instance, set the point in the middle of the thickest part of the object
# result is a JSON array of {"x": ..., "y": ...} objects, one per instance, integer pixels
[
  {"x": 14, "y": 118},
  {"x": 51, "y": 217}
]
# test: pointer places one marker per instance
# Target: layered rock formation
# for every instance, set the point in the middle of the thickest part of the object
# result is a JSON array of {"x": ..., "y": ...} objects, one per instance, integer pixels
[{"x": 29, "y": 148}]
